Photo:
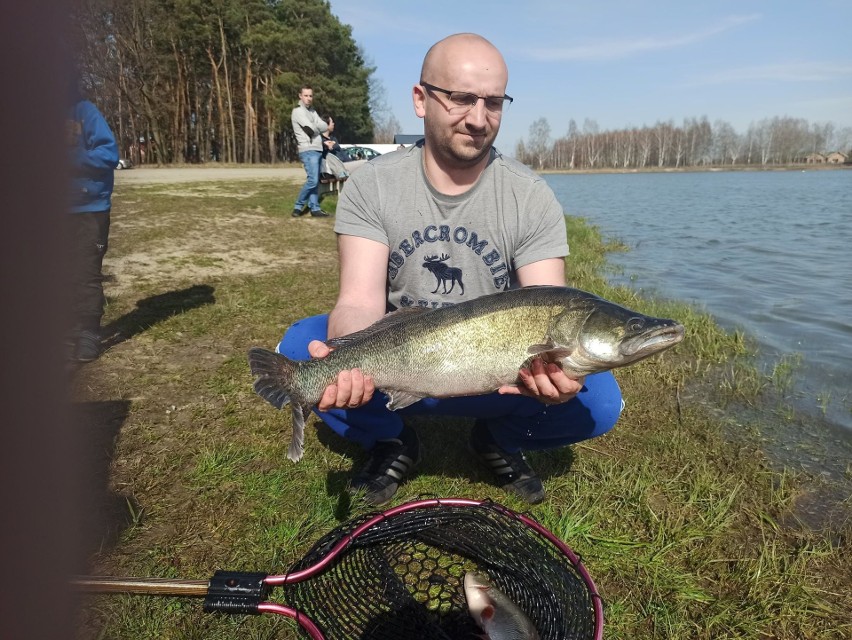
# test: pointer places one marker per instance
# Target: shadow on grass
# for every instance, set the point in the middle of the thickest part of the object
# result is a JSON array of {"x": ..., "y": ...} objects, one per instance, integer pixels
[
  {"x": 149, "y": 311},
  {"x": 413, "y": 620},
  {"x": 105, "y": 513},
  {"x": 443, "y": 445}
]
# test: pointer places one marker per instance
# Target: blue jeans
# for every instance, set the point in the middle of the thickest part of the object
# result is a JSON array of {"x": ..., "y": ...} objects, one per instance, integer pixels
[
  {"x": 310, "y": 191},
  {"x": 515, "y": 422}
]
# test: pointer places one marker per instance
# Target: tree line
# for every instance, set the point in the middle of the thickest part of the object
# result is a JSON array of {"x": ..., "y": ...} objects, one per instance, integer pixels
[
  {"x": 199, "y": 80},
  {"x": 695, "y": 143}
]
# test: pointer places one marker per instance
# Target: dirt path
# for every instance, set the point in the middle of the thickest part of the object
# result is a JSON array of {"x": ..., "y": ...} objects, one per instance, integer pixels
[
  {"x": 171, "y": 175},
  {"x": 210, "y": 246}
]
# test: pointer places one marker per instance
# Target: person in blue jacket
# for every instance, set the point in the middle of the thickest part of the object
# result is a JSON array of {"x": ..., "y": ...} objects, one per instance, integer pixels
[{"x": 93, "y": 157}]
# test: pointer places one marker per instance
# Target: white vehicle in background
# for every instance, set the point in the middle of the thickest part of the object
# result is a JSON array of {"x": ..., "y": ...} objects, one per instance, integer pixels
[
  {"x": 354, "y": 155},
  {"x": 355, "y": 152},
  {"x": 370, "y": 150}
]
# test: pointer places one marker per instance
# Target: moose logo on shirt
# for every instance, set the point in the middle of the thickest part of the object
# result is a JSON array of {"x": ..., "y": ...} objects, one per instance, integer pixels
[{"x": 444, "y": 273}]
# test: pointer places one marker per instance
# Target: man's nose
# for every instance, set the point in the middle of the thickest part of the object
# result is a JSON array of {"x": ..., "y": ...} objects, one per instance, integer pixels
[{"x": 477, "y": 115}]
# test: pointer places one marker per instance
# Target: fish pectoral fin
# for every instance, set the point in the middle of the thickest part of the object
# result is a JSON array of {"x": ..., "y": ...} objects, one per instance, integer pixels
[
  {"x": 555, "y": 355},
  {"x": 549, "y": 352},
  {"x": 401, "y": 399},
  {"x": 538, "y": 349}
]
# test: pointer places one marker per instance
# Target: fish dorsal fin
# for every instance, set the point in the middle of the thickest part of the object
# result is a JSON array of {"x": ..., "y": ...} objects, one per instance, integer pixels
[
  {"x": 388, "y": 320},
  {"x": 400, "y": 399}
]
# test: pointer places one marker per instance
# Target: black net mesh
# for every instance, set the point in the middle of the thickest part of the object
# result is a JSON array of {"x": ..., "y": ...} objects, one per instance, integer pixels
[{"x": 403, "y": 577}]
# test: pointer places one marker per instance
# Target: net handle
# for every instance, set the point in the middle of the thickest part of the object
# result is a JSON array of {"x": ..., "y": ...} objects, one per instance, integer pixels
[
  {"x": 184, "y": 588},
  {"x": 153, "y": 586}
]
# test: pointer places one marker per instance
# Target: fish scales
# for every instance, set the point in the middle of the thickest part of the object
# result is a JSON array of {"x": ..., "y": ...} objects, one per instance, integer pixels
[
  {"x": 471, "y": 348},
  {"x": 467, "y": 354}
]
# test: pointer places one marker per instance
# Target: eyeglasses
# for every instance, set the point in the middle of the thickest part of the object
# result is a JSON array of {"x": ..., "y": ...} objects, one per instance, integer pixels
[{"x": 462, "y": 102}]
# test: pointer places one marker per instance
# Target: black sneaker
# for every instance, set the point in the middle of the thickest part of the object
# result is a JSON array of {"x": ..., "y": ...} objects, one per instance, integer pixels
[
  {"x": 298, "y": 213},
  {"x": 510, "y": 469},
  {"x": 88, "y": 346},
  {"x": 390, "y": 462},
  {"x": 319, "y": 213}
]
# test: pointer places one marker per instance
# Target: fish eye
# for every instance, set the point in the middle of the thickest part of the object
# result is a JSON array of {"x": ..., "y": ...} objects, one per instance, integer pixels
[{"x": 635, "y": 324}]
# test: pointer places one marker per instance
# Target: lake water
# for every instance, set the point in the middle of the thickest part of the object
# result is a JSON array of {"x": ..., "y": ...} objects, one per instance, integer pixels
[{"x": 764, "y": 252}]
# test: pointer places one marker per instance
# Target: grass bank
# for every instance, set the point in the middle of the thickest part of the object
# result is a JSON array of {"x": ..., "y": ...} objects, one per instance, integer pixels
[{"x": 687, "y": 533}]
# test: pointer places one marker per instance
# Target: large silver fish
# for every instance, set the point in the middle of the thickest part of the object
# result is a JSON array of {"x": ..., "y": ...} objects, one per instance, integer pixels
[
  {"x": 470, "y": 348},
  {"x": 495, "y": 613}
]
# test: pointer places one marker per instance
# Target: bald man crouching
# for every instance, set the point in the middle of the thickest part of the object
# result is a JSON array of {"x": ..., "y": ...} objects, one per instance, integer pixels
[{"x": 446, "y": 220}]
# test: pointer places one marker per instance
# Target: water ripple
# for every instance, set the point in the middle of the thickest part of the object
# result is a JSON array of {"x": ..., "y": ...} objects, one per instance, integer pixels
[{"x": 766, "y": 252}]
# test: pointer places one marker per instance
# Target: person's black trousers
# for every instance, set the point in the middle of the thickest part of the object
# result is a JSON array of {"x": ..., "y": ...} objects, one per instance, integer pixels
[{"x": 90, "y": 235}]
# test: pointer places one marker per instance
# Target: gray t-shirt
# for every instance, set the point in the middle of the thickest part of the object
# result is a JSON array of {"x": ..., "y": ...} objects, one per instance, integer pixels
[{"x": 448, "y": 249}]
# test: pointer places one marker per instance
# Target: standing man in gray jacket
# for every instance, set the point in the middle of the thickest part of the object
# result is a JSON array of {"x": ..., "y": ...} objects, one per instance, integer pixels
[{"x": 308, "y": 128}]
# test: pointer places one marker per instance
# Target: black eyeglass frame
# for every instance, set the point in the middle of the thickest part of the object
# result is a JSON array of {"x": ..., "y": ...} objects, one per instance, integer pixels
[{"x": 471, "y": 105}]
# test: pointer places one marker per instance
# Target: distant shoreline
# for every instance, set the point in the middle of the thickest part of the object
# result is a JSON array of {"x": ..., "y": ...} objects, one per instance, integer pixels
[{"x": 710, "y": 169}]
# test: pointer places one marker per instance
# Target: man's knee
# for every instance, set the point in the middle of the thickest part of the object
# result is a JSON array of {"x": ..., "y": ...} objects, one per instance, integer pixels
[
  {"x": 606, "y": 403},
  {"x": 295, "y": 342}
]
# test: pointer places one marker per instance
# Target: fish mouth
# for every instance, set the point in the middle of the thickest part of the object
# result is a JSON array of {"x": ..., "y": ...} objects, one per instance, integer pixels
[{"x": 653, "y": 341}]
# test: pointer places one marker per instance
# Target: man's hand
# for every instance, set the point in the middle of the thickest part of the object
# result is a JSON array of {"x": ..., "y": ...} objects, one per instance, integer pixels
[
  {"x": 351, "y": 389},
  {"x": 545, "y": 382}
]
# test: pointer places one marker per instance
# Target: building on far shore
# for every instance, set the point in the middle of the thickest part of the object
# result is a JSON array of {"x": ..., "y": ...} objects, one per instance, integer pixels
[{"x": 835, "y": 157}]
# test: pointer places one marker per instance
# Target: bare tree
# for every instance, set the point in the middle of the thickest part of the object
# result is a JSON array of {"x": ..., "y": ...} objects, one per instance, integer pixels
[
  {"x": 591, "y": 142},
  {"x": 539, "y": 144},
  {"x": 385, "y": 130},
  {"x": 727, "y": 145}
]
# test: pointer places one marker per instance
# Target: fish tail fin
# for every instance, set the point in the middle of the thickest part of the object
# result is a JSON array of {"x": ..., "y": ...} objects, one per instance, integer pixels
[
  {"x": 274, "y": 376},
  {"x": 275, "y": 383}
]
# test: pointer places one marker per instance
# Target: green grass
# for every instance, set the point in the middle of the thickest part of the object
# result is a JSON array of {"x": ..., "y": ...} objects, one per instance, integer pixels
[{"x": 688, "y": 532}]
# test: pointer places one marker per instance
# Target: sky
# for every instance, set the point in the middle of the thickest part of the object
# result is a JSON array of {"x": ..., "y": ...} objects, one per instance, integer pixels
[{"x": 624, "y": 63}]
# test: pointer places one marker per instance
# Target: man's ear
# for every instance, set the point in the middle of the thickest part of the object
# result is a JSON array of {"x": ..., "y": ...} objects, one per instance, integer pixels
[{"x": 418, "y": 94}]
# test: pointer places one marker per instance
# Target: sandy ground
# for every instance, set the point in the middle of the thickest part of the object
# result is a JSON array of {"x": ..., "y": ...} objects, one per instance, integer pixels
[
  {"x": 171, "y": 175},
  {"x": 214, "y": 246}
]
